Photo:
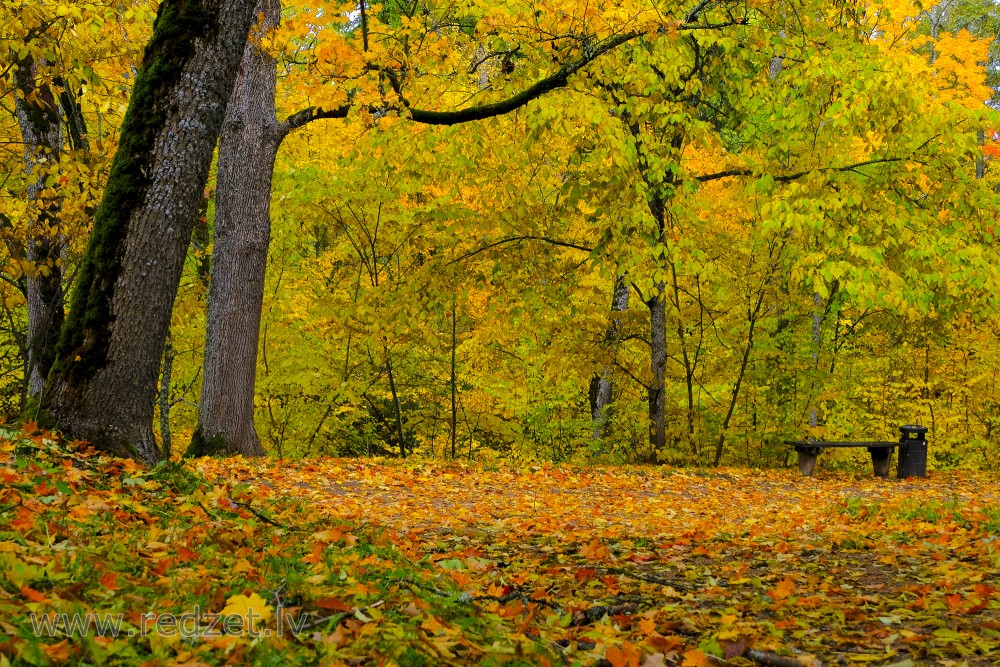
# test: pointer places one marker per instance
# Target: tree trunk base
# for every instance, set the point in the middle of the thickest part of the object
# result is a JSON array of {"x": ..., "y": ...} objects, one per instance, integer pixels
[{"x": 219, "y": 445}]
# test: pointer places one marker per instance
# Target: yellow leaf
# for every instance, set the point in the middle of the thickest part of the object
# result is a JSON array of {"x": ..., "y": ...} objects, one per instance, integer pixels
[
  {"x": 252, "y": 609},
  {"x": 242, "y": 565}
]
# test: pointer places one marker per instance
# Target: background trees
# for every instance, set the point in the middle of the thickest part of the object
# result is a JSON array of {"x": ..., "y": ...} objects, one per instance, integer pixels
[{"x": 747, "y": 174}]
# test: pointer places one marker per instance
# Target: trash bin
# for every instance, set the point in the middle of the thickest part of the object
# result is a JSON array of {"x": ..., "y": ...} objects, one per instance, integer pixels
[{"x": 912, "y": 451}]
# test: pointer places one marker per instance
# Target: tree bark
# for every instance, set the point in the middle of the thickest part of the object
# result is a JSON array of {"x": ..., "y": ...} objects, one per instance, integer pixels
[
  {"x": 454, "y": 379},
  {"x": 251, "y": 135},
  {"x": 658, "y": 364},
  {"x": 602, "y": 386},
  {"x": 40, "y": 124},
  {"x": 657, "y": 305},
  {"x": 104, "y": 380},
  {"x": 168, "y": 368}
]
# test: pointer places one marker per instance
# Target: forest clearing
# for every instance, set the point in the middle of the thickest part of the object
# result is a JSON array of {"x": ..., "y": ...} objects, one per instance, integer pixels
[{"x": 425, "y": 332}]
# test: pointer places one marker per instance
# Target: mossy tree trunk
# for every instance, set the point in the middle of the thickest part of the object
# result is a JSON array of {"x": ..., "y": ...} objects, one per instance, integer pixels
[
  {"x": 251, "y": 135},
  {"x": 103, "y": 383},
  {"x": 40, "y": 123}
]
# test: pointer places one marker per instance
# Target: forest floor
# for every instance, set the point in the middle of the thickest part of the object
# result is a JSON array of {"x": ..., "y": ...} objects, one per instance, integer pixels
[{"x": 363, "y": 562}]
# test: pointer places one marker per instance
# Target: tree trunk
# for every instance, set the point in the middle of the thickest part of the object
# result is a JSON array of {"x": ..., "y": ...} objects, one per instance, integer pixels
[
  {"x": 686, "y": 360},
  {"x": 168, "y": 368},
  {"x": 657, "y": 305},
  {"x": 104, "y": 379},
  {"x": 454, "y": 379},
  {"x": 601, "y": 388},
  {"x": 400, "y": 436},
  {"x": 39, "y": 120},
  {"x": 658, "y": 363},
  {"x": 247, "y": 150}
]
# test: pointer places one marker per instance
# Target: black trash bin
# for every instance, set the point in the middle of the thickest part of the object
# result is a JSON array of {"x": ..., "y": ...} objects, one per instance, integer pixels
[{"x": 912, "y": 451}]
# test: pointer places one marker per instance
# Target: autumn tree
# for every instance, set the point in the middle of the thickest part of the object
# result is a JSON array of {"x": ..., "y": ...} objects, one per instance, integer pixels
[
  {"x": 49, "y": 63},
  {"x": 247, "y": 153},
  {"x": 103, "y": 380}
]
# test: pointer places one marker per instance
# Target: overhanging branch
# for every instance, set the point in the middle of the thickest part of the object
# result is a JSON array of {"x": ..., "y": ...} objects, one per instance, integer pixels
[
  {"x": 785, "y": 178},
  {"x": 519, "y": 239},
  {"x": 557, "y": 79}
]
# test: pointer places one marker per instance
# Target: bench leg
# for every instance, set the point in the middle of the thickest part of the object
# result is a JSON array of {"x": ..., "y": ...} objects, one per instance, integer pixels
[
  {"x": 807, "y": 462},
  {"x": 881, "y": 456}
]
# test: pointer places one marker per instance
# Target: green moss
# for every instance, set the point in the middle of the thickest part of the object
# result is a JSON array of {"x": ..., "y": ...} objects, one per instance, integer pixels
[
  {"x": 85, "y": 337},
  {"x": 214, "y": 446}
]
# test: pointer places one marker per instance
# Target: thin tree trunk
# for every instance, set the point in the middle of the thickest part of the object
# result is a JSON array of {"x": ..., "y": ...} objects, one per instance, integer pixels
[
  {"x": 39, "y": 120},
  {"x": 168, "y": 367},
  {"x": 395, "y": 403},
  {"x": 816, "y": 340},
  {"x": 689, "y": 364},
  {"x": 658, "y": 364},
  {"x": 104, "y": 380},
  {"x": 754, "y": 316},
  {"x": 602, "y": 388},
  {"x": 247, "y": 150},
  {"x": 981, "y": 160},
  {"x": 454, "y": 389},
  {"x": 657, "y": 305}
]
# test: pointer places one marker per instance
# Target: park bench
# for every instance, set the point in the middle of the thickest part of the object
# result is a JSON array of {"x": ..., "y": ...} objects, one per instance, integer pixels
[{"x": 912, "y": 454}]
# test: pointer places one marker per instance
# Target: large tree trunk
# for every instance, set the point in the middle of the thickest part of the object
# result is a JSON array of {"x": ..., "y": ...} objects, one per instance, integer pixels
[
  {"x": 39, "y": 120},
  {"x": 601, "y": 387},
  {"x": 251, "y": 135},
  {"x": 104, "y": 380}
]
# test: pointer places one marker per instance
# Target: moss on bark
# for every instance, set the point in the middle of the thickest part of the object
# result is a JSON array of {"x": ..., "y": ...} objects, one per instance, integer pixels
[
  {"x": 200, "y": 446},
  {"x": 84, "y": 340}
]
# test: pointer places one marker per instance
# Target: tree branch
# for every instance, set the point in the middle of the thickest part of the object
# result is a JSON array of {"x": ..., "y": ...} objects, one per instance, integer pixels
[
  {"x": 308, "y": 115},
  {"x": 518, "y": 239},
  {"x": 558, "y": 79},
  {"x": 785, "y": 178}
]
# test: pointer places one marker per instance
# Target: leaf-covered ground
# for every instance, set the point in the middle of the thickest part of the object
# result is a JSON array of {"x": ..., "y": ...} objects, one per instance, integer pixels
[{"x": 427, "y": 563}]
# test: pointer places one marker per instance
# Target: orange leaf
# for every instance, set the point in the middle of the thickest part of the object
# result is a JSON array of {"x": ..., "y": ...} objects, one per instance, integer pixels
[
  {"x": 33, "y": 595},
  {"x": 58, "y": 652},
  {"x": 186, "y": 555},
  {"x": 626, "y": 655},
  {"x": 332, "y": 604},
  {"x": 695, "y": 658},
  {"x": 24, "y": 521},
  {"x": 595, "y": 550},
  {"x": 782, "y": 590},
  {"x": 110, "y": 581}
]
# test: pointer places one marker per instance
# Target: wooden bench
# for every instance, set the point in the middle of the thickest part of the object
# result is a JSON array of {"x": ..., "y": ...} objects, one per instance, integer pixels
[{"x": 809, "y": 450}]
